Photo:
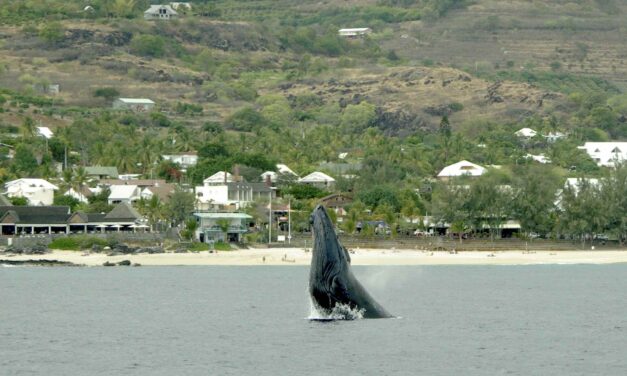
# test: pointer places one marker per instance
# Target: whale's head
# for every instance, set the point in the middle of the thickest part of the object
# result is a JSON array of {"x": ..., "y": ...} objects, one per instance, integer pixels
[{"x": 326, "y": 246}]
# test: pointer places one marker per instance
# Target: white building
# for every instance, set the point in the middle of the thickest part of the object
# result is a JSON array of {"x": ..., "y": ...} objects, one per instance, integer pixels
[
  {"x": 209, "y": 226},
  {"x": 160, "y": 12},
  {"x": 354, "y": 32},
  {"x": 462, "y": 168},
  {"x": 606, "y": 153},
  {"x": 281, "y": 170},
  {"x": 185, "y": 160},
  {"x": 526, "y": 133},
  {"x": 318, "y": 179},
  {"x": 133, "y": 104},
  {"x": 36, "y": 191},
  {"x": 219, "y": 178},
  {"x": 223, "y": 190},
  {"x": 124, "y": 193}
]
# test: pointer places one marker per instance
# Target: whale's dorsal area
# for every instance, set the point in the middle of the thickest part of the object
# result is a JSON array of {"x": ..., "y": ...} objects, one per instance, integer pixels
[{"x": 332, "y": 285}]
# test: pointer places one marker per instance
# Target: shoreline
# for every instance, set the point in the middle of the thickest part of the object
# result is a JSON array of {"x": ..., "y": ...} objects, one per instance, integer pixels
[{"x": 298, "y": 256}]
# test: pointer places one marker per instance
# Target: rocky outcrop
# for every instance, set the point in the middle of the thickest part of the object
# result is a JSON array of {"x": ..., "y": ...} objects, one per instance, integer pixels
[
  {"x": 38, "y": 249},
  {"x": 33, "y": 262}
]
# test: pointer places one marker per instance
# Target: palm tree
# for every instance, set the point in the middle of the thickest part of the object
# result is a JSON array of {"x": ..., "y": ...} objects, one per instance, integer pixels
[{"x": 28, "y": 129}]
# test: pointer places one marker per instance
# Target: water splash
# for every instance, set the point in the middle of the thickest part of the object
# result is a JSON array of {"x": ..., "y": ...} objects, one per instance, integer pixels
[{"x": 339, "y": 312}]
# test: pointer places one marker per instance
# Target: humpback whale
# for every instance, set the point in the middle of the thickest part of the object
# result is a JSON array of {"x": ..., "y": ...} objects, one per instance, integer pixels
[{"x": 332, "y": 284}]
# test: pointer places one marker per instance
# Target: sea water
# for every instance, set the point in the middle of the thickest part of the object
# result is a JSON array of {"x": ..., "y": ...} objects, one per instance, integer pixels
[{"x": 453, "y": 320}]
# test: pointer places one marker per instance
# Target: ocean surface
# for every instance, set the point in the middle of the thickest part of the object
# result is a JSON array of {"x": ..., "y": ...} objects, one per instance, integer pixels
[{"x": 453, "y": 320}]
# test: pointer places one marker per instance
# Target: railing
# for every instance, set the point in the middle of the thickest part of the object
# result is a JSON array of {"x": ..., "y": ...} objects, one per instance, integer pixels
[{"x": 436, "y": 243}]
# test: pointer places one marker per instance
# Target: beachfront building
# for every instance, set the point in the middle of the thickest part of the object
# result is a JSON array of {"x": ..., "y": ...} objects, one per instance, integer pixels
[
  {"x": 606, "y": 153},
  {"x": 32, "y": 220},
  {"x": 227, "y": 227},
  {"x": 462, "y": 168},
  {"x": 134, "y": 104},
  {"x": 36, "y": 191},
  {"x": 318, "y": 179},
  {"x": 223, "y": 190}
]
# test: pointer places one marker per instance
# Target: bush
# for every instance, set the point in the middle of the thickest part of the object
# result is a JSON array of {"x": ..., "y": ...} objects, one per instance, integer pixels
[
  {"x": 78, "y": 242},
  {"x": 148, "y": 45}
]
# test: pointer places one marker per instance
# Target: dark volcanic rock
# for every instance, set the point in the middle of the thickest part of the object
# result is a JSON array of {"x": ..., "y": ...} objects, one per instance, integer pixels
[
  {"x": 397, "y": 123},
  {"x": 107, "y": 263},
  {"x": 37, "y": 263},
  {"x": 124, "y": 263}
]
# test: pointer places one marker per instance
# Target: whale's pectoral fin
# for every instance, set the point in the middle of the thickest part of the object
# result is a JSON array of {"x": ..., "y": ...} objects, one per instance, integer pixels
[{"x": 348, "y": 256}]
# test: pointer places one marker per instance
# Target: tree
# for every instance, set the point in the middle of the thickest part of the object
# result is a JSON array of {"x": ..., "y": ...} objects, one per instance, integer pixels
[
  {"x": 357, "y": 117},
  {"x": 614, "y": 199},
  {"x": 51, "y": 32},
  {"x": 451, "y": 204},
  {"x": 533, "y": 202},
  {"x": 582, "y": 211},
  {"x": 64, "y": 200},
  {"x": 108, "y": 93},
  {"x": 180, "y": 205},
  {"x": 224, "y": 224},
  {"x": 24, "y": 161},
  {"x": 148, "y": 45}
]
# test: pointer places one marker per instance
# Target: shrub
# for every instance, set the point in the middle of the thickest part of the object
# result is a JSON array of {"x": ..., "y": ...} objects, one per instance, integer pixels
[
  {"x": 148, "y": 45},
  {"x": 77, "y": 242}
]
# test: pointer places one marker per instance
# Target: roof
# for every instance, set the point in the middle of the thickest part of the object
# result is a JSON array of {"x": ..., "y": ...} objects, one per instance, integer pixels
[
  {"x": 136, "y": 100},
  {"x": 110, "y": 171},
  {"x": 223, "y": 215},
  {"x": 526, "y": 132},
  {"x": 605, "y": 153},
  {"x": 36, "y": 214},
  {"x": 163, "y": 191},
  {"x": 462, "y": 168},
  {"x": 122, "y": 192},
  {"x": 154, "y": 9},
  {"x": 4, "y": 201},
  {"x": 283, "y": 169},
  {"x": 219, "y": 177},
  {"x": 316, "y": 177},
  {"x": 122, "y": 210},
  {"x": 34, "y": 183},
  {"x": 355, "y": 30},
  {"x": 45, "y": 132},
  {"x": 137, "y": 182}
]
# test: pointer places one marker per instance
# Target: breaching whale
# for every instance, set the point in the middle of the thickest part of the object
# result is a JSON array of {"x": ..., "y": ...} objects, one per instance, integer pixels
[{"x": 332, "y": 284}]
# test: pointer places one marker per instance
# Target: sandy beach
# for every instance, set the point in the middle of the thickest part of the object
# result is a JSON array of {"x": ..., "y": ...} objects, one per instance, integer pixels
[{"x": 298, "y": 256}]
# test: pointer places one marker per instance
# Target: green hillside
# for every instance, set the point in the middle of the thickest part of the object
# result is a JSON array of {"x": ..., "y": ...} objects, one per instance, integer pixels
[{"x": 255, "y": 83}]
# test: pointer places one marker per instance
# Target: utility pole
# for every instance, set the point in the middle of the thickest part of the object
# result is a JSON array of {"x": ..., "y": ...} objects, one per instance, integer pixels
[
  {"x": 270, "y": 219},
  {"x": 289, "y": 221}
]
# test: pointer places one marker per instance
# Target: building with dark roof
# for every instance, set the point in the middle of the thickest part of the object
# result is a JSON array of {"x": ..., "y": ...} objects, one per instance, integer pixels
[{"x": 17, "y": 220}]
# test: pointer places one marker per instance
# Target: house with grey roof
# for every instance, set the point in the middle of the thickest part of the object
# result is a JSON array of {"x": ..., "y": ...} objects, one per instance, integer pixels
[
  {"x": 102, "y": 172},
  {"x": 160, "y": 12}
]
